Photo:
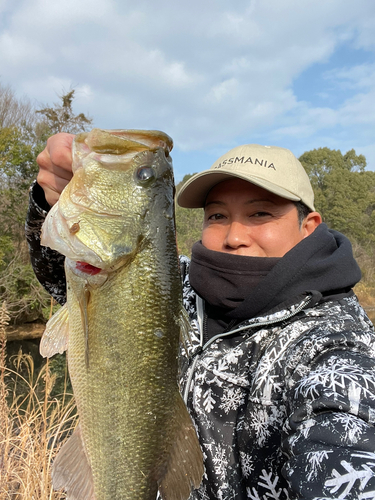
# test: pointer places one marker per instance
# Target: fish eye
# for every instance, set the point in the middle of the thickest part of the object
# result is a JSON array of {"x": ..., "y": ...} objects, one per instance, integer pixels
[{"x": 144, "y": 174}]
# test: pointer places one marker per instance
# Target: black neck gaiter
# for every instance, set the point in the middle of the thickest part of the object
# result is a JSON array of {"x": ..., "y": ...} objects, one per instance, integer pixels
[
  {"x": 225, "y": 280},
  {"x": 235, "y": 287}
]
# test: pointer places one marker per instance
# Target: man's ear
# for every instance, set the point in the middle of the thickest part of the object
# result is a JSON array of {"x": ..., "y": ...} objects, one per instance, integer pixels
[{"x": 311, "y": 222}]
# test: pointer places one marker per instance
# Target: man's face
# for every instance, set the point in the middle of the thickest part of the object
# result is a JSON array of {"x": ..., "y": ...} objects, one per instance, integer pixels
[{"x": 243, "y": 219}]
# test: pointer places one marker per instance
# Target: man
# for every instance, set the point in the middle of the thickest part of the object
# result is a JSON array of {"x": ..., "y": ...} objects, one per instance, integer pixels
[{"x": 280, "y": 376}]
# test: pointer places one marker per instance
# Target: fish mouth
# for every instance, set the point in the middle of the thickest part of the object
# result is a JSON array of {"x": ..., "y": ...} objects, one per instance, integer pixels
[
  {"x": 91, "y": 275},
  {"x": 87, "y": 268}
]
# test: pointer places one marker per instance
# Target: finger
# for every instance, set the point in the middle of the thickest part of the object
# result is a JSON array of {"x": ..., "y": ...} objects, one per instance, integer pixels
[
  {"x": 52, "y": 194},
  {"x": 55, "y": 166},
  {"x": 57, "y": 153},
  {"x": 56, "y": 171},
  {"x": 59, "y": 148},
  {"x": 49, "y": 179},
  {"x": 52, "y": 184}
]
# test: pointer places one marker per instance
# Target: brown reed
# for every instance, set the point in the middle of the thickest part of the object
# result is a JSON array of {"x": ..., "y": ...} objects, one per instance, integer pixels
[{"x": 33, "y": 426}]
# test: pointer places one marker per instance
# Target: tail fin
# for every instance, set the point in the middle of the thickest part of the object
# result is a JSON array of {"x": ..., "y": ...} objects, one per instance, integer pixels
[{"x": 184, "y": 468}]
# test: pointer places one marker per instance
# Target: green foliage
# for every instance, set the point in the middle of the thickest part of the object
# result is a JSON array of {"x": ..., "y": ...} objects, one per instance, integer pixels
[
  {"x": 188, "y": 224},
  {"x": 345, "y": 196},
  {"x": 344, "y": 191},
  {"x": 6, "y": 248},
  {"x": 49, "y": 311},
  {"x": 26, "y": 299},
  {"x": 18, "y": 285},
  {"x": 321, "y": 162},
  {"x": 59, "y": 369},
  {"x": 17, "y": 157},
  {"x": 23, "y": 135}
]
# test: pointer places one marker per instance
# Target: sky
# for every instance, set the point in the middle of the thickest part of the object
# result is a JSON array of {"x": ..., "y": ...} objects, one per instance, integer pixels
[{"x": 213, "y": 74}]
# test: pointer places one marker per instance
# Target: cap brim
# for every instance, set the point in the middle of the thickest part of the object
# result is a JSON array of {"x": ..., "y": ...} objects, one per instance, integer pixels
[{"x": 194, "y": 193}]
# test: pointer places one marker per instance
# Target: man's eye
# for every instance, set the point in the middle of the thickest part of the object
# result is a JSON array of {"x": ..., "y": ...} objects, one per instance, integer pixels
[
  {"x": 215, "y": 217},
  {"x": 261, "y": 214}
]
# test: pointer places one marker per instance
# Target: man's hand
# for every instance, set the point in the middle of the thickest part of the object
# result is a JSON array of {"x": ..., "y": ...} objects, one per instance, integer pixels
[{"x": 55, "y": 166}]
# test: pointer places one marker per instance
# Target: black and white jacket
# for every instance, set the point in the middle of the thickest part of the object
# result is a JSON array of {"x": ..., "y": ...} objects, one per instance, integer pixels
[{"x": 284, "y": 404}]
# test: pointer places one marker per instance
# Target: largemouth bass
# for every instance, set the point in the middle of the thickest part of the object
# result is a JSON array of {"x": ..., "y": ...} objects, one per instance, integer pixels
[{"x": 121, "y": 324}]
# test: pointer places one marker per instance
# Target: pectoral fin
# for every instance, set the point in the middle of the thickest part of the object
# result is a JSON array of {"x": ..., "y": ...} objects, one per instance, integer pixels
[
  {"x": 184, "y": 468},
  {"x": 55, "y": 336},
  {"x": 71, "y": 470}
]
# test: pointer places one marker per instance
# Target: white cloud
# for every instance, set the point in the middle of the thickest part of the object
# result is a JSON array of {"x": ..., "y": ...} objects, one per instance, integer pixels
[
  {"x": 208, "y": 72},
  {"x": 52, "y": 14},
  {"x": 359, "y": 109},
  {"x": 17, "y": 51},
  {"x": 355, "y": 77},
  {"x": 369, "y": 152}
]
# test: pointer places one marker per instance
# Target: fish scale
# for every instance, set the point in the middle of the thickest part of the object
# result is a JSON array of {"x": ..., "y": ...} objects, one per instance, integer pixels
[{"x": 123, "y": 329}]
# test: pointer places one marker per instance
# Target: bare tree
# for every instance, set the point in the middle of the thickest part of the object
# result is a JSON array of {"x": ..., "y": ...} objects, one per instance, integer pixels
[
  {"x": 61, "y": 118},
  {"x": 15, "y": 112}
]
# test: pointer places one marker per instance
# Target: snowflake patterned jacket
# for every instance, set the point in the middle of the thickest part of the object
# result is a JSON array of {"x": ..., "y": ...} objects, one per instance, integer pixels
[{"x": 284, "y": 404}]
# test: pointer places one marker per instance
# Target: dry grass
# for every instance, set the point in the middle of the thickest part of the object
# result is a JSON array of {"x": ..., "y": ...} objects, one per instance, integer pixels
[
  {"x": 365, "y": 294},
  {"x": 33, "y": 426},
  {"x": 366, "y": 297},
  {"x": 365, "y": 290}
]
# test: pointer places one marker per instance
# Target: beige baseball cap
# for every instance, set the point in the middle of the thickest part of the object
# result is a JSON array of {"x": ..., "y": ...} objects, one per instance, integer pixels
[{"x": 275, "y": 169}]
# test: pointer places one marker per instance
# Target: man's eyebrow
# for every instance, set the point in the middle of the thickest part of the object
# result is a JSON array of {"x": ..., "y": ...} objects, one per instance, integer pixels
[
  {"x": 214, "y": 203},
  {"x": 249, "y": 202}
]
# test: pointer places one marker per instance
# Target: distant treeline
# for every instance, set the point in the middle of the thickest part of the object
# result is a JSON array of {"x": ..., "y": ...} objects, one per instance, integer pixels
[{"x": 344, "y": 189}]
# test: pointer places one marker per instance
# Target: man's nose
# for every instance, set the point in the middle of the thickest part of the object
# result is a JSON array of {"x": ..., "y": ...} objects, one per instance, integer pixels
[{"x": 237, "y": 235}]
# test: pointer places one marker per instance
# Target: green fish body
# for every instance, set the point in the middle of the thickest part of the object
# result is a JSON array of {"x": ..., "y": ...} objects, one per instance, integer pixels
[{"x": 122, "y": 323}]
